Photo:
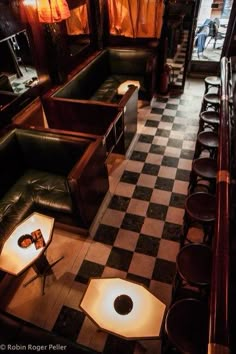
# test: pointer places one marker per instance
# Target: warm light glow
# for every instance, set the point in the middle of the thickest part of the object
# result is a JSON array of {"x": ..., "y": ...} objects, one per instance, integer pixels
[
  {"x": 30, "y": 3},
  {"x": 143, "y": 321}
]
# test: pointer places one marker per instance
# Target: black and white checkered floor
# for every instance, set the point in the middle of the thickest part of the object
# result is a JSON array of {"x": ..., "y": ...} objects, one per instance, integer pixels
[{"x": 138, "y": 234}]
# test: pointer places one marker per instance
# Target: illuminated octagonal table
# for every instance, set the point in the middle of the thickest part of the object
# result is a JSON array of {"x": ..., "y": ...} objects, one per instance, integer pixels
[
  {"x": 123, "y": 308},
  {"x": 15, "y": 259}
]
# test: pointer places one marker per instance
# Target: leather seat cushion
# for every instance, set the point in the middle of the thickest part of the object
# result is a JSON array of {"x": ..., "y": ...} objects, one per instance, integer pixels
[{"x": 108, "y": 90}]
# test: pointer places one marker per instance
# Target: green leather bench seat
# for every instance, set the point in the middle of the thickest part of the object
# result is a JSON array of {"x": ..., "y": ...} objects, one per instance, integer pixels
[
  {"x": 49, "y": 173},
  {"x": 107, "y": 92},
  {"x": 34, "y": 190},
  {"x": 100, "y": 78}
]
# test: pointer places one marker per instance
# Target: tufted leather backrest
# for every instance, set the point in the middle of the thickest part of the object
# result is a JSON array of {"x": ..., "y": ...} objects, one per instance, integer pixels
[
  {"x": 87, "y": 81},
  {"x": 50, "y": 152}
]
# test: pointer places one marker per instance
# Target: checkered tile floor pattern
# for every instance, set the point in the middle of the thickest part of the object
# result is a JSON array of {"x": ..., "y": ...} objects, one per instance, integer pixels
[{"x": 138, "y": 236}]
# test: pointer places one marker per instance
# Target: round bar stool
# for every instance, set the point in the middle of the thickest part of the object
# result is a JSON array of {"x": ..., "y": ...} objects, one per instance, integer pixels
[
  {"x": 210, "y": 100},
  {"x": 194, "y": 264},
  {"x": 186, "y": 327},
  {"x": 212, "y": 81},
  {"x": 207, "y": 140},
  {"x": 204, "y": 169},
  {"x": 200, "y": 209},
  {"x": 209, "y": 119}
]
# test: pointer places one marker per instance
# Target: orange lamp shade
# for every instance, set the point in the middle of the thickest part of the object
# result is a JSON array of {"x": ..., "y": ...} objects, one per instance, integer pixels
[{"x": 50, "y": 11}]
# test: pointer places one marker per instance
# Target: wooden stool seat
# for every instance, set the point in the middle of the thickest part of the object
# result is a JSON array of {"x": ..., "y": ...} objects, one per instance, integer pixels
[
  {"x": 193, "y": 264},
  {"x": 209, "y": 119},
  {"x": 203, "y": 169},
  {"x": 211, "y": 81},
  {"x": 210, "y": 100},
  {"x": 186, "y": 326},
  {"x": 201, "y": 206},
  {"x": 207, "y": 140}
]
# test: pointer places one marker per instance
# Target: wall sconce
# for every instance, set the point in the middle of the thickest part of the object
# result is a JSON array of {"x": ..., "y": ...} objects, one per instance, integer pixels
[{"x": 50, "y": 11}]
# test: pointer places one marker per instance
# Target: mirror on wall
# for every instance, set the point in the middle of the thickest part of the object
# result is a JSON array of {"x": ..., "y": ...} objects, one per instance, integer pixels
[
  {"x": 17, "y": 71},
  {"x": 77, "y": 26}
]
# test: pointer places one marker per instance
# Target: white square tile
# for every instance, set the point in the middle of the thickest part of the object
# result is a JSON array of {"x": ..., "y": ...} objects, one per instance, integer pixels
[
  {"x": 160, "y": 140},
  {"x": 167, "y": 172},
  {"x": 168, "y": 250},
  {"x": 152, "y": 227},
  {"x": 125, "y": 189},
  {"x": 175, "y": 215},
  {"x": 180, "y": 187},
  {"x": 185, "y": 164},
  {"x": 138, "y": 207},
  {"x": 149, "y": 130},
  {"x": 160, "y": 197},
  {"x": 146, "y": 180},
  {"x": 142, "y": 265},
  {"x": 165, "y": 125},
  {"x": 174, "y": 134},
  {"x": 144, "y": 147},
  {"x": 126, "y": 239},
  {"x": 172, "y": 151},
  {"x": 113, "y": 273},
  {"x": 98, "y": 253},
  {"x": 155, "y": 159},
  {"x": 134, "y": 166},
  {"x": 169, "y": 112},
  {"x": 113, "y": 217},
  {"x": 188, "y": 145}
]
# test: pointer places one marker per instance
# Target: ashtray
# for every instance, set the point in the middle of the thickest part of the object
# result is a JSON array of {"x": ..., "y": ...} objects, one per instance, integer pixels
[{"x": 25, "y": 241}]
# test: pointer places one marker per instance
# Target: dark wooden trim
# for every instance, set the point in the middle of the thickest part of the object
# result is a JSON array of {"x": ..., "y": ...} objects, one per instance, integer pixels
[{"x": 219, "y": 297}]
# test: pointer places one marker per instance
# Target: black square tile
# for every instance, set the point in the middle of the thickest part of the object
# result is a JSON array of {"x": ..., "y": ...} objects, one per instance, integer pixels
[
  {"x": 172, "y": 232},
  {"x": 132, "y": 222},
  {"x": 147, "y": 245},
  {"x": 187, "y": 154},
  {"x": 164, "y": 271},
  {"x": 143, "y": 193},
  {"x": 116, "y": 345},
  {"x": 157, "y": 149},
  {"x": 177, "y": 200},
  {"x": 69, "y": 323},
  {"x": 164, "y": 184},
  {"x": 182, "y": 175},
  {"x": 129, "y": 177},
  {"x": 145, "y": 138},
  {"x": 157, "y": 211},
  {"x": 119, "y": 259},
  {"x": 106, "y": 234},
  {"x": 172, "y": 106},
  {"x": 88, "y": 270},
  {"x": 163, "y": 132},
  {"x": 178, "y": 127},
  {"x": 138, "y": 279},
  {"x": 161, "y": 99},
  {"x": 151, "y": 123},
  {"x": 168, "y": 119},
  {"x": 138, "y": 156},
  {"x": 170, "y": 161},
  {"x": 150, "y": 169},
  {"x": 177, "y": 143},
  {"x": 119, "y": 203},
  {"x": 157, "y": 110}
]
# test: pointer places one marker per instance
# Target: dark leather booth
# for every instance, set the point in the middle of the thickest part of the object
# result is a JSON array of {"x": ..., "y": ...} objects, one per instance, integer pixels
[
  {"x": 90, "y": 101},
  {"x": 57, "y": 174}
]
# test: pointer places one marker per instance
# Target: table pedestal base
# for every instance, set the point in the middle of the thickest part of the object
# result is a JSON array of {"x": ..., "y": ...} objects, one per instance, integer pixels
[{"x": 42, "y": 268}]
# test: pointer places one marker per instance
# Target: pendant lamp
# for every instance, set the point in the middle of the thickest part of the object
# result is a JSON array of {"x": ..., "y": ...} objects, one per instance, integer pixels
[{"x": 50, "y": 11}]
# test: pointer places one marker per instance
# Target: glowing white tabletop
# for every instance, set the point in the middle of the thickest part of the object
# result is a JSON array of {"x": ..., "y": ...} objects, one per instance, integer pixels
[
  {"x": 15, "y": 259},
  {"x": 123, "y": 308}
]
